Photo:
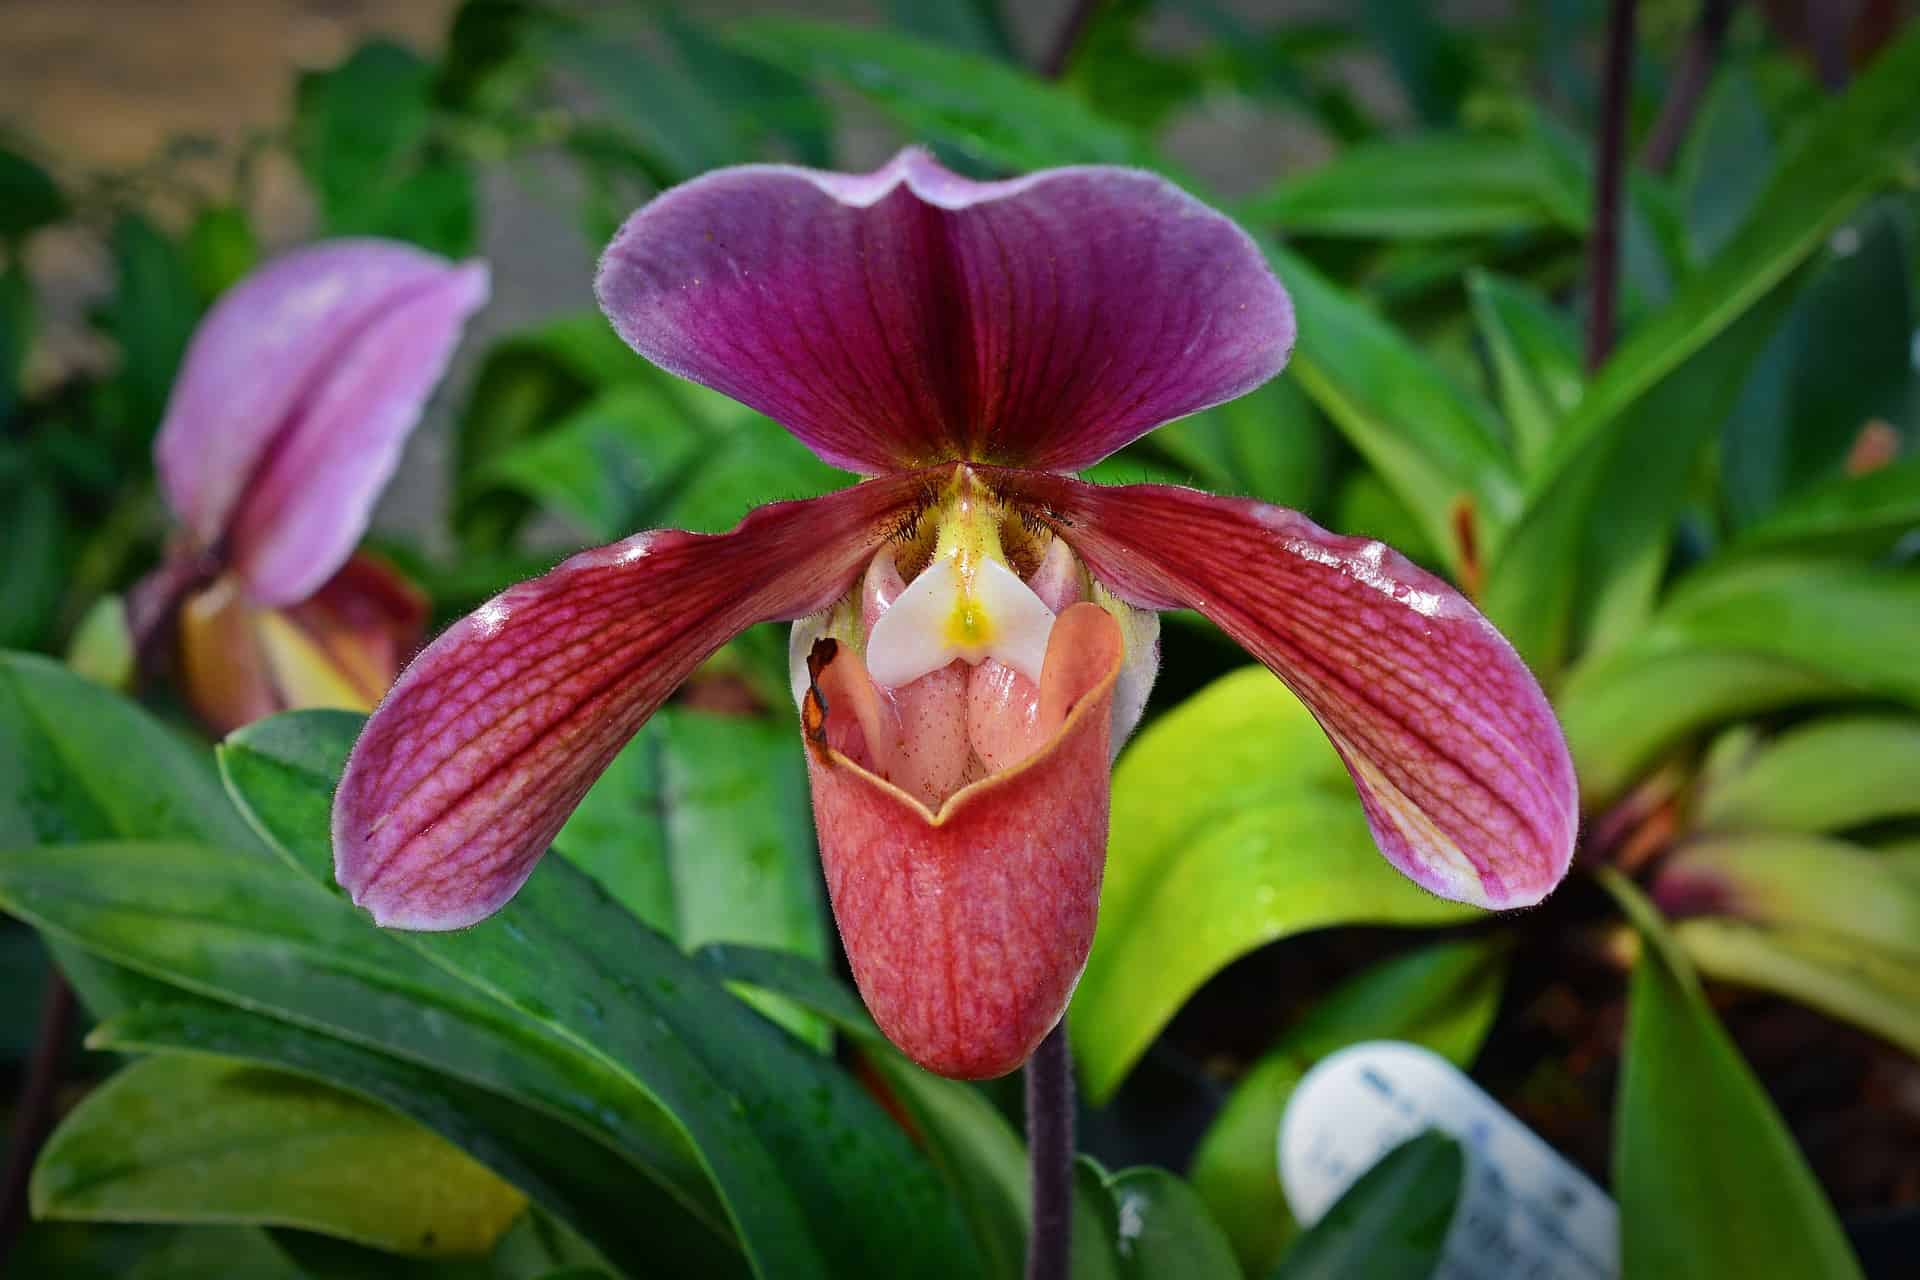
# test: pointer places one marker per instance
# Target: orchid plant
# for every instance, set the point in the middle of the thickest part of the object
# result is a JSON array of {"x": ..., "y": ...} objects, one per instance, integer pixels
[
  {"x": 1022, "y": 482},
  {"x": 287, "y": 420},
  {"x": 976, "y": 630}
]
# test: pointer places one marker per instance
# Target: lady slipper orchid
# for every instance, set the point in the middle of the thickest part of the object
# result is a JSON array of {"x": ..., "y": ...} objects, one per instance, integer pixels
[
  {"x": 976, "y": 628},
  {"x": 287, "y": 420}
]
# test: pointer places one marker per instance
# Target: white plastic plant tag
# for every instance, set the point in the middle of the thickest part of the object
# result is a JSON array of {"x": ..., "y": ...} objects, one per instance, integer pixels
[{"x": 1524, "y": 1211}]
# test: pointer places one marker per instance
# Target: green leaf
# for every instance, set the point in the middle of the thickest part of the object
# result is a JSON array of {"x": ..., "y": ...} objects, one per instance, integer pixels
[
  {"x": 1535, "y": 355},
  {"x": 1268, "y": 444},
  {"x": 972, "y": 26},
  {"x": 215, "y": 1253},
  {"x": 29, "y": 197},
  {"x": 63, "y": 767},
  {"x": 33, "y": 528},
  {"x": 1841, "y": 159},
  {"x": 601, "y": 465},
  {"x": 1233, "y": 825},
  {"x": 1843, "y": 359},
  {"x": 970, "y": 1143},
  {"x": 768, "y": 105},
  {"x": 1392, "y": 1223},
  {"x": 702, "y": 828},
  {"x": 150, "y": 318},
  {"x": 1442, "y": 996},
  {"x": 762, "y": 1111},
  {"x": 490, "y": 61},
  {"x": 996, "y": 115},
  {"x": 581, "y": 1180},
  {"x": 978, "y": 1155},
  {"x": 95, "y": 1251},
  {"x": 661, "y": 105},
  {"x": 1435, "y": 63},
  {"x": 221, "y": 248},
  {"x": 1868, "y": 986},
  {"x": 1439, "y": 448},
  {"x": 984, "y": 1165},
  {"x": 1709, "y": 1181},
  {"x": 1365, "y": 507},
  {"x": 1735, "y": 640},
  {"x": 660, "y": 453},
  {"x": 244, "y": 930},
  {"x": 1864, "y": 513},
  {"x": 1434, "y": 185},
  {"x": 1802, "y": 882},
  {"x": 1832, "y": 774},
  {"x": 16, "y": 336},
  {"x": 1644, "y": 485},
  {"x": 64, "y": 744},
  {"x": 1163, "y": 1229},
  {"x": 1611, "y": 516},
  {"x": 1125, "y": 72},
  {"x": 362, "y": 135},
  {"x": 1724, "y": 164},
  {"x": 535, "y": 1248},
  {"x": 185, "y": 1139},
  {"x": 525, "y": 385},
  {"x": 1095, "y": 1221},
  {"x": 792, "y": 1145}
]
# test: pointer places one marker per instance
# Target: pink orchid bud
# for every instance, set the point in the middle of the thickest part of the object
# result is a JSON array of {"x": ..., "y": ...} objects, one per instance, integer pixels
[
  {"x": 976, "y": 627},
  {"x": 297, "y": 393}
]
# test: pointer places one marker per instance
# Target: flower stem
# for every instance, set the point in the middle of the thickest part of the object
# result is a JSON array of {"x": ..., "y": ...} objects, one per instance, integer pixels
[
  {"x": 1689, "y": 85},
  {"x": 33, "y": 1117},
  {"x": 1050, "y": 1148},
  {"x": 1609, "y": 165}
]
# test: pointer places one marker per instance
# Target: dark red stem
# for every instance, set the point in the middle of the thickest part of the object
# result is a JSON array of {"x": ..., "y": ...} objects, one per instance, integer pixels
[
  {"x": 1689, "y": 86},
  {"x": 1050, "y": 1151},
  {"x": 1609, "y": 165},
  {"x": 33, "y": 1118}
]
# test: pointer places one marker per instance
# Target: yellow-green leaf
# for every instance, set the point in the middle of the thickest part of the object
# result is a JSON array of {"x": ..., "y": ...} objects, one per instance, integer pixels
[
  {"x": 1234, "y": 824},
  {"x": 178, "y": 1138}
]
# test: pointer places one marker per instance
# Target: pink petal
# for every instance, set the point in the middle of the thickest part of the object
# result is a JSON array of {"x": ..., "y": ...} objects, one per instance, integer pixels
[
  {"x": 911, "y": 316},
  {"x": 490, "y": 738},
  {"x": 297, "y": 392},
  {"x": 1460, "y": 763},
  {"x": 967, "y": 929}
]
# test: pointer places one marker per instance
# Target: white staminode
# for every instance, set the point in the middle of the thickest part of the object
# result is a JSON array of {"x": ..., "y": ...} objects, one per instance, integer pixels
[{"x": 973, "y": 613}]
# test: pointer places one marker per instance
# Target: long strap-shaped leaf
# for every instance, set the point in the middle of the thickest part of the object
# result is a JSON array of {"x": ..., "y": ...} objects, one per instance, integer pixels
[
  {"x": 1709, "y": 1180},
  {"x": 793, "y": 1146},
  {"x": 1843, "y": 157}
]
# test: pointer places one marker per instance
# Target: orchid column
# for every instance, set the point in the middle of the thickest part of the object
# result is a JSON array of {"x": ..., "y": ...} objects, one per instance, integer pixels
[{"x": 976, "y": 630}]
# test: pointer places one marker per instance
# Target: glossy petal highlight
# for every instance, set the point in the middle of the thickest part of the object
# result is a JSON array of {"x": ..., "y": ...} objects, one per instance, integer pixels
[
  {"x": 490, "y": 738},
  {"x": 968, "y": 929},
  {"x": 296, "y": 395},
  {"x": 911, "y": 316},
  {"x": 1460, "y": 764}
]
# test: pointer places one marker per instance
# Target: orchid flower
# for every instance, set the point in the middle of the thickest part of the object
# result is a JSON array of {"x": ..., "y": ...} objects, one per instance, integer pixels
[
  {"x": 297, "y": 393},
  {"x": 976, "y": 629}
]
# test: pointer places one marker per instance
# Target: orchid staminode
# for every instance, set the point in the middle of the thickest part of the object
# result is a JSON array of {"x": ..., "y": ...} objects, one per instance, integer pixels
[
  {"x": 296, "y": 395},
  {"x": 976, "y": 629}
]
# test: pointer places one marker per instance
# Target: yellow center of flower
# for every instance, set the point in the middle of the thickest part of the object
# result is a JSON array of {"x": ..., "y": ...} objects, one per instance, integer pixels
[{"x": 967, "y": 604}]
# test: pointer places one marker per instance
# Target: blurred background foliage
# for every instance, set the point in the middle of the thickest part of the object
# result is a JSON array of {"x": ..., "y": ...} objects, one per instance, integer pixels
[{"x": 1703, "y": 542}]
